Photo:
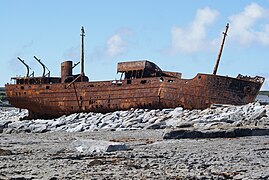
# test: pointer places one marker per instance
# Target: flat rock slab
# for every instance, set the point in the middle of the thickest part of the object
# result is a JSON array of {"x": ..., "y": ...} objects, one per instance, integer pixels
[
  {"x": 51, "y": 156},
  {"x": 231, "y": 133},
  {"x": 96, "y": 146}
]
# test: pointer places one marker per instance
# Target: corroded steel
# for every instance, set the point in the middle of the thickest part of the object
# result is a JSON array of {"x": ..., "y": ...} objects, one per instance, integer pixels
[
  {"x": 44, "y": 67},
  {"x": 221, "y": 48},
  {"x": 50, "y": 98},
  {"x": 137, "y": 65},
  {"x": 66, "y": 70},
  {"x": 143, "y": 85},
  {"x": 26, "y": 65},
  {"x": 82, "y": 51}
]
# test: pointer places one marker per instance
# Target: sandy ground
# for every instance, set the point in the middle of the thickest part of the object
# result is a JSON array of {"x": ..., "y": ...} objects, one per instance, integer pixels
[{"x": 53, "y": 156}]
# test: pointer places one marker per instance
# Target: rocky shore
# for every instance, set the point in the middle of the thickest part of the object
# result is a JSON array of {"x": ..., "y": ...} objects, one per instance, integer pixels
[
  {"x": 221, "y": 142},
  {"x": 223, "y": 117}
]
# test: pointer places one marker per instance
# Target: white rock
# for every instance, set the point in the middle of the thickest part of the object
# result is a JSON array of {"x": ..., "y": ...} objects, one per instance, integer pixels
[
  {"x": 173, "y": 122},
  {"x": 40, "y": 128},
  {"x": 153, "y": 120},
  {"x": 258, "y": 114},
  {"x": 96, "y": 146}
]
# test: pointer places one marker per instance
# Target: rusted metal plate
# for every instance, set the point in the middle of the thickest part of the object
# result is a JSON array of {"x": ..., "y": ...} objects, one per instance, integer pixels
[{"x": 137, "y": 65}]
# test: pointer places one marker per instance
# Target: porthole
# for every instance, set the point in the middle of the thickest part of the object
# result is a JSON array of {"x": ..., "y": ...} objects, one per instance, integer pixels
[
  {"x": 143, "y": 81},
  {"x": 247, "y": 89}
]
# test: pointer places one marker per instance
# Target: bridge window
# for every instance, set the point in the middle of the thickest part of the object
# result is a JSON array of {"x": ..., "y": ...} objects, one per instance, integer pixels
[
  {"x": 128, "y": 74},
  {"x": 139, "y": 74},
  {"x": 134, "y": 74}
]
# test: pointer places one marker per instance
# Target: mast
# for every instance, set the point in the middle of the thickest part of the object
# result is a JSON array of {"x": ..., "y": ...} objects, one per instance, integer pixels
[
  {"x": 82, "y": 52},
  {"x": 221, "y": 48}
]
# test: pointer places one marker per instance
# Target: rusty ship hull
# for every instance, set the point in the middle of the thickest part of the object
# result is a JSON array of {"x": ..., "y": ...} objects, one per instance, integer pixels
[
  {"x": 142, "y": 85},
  {"x": 54, "y": 100}
]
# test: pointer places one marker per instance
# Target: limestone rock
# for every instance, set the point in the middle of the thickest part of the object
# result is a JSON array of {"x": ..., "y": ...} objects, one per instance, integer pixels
[
  {"x": 221, "y": 116},
  {"x": 159, "y": 125},
  {"x": 5, "y": 152},
  {"x": 217, "y": 133},
  {"x": 97, "y": 146},
  {"x": 3, "y": 125}
]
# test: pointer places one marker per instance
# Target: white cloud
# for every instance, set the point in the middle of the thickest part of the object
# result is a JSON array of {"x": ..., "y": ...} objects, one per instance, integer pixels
[
  {"x": 249, "y": 26},
  {"x": 72, "y": 53},
  {"x": 118, "y": 43},
  {"x": 193, "y": 38}
]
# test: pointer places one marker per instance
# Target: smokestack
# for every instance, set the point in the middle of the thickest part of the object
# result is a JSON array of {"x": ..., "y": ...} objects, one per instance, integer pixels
[{"x": 66, "y": 70}]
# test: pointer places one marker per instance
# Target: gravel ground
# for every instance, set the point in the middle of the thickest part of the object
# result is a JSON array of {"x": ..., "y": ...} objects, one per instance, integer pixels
[{"x": 51, "y": 155}]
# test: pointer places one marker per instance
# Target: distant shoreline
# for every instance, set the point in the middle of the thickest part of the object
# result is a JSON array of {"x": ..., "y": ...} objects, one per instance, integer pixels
[{"x": 264, "y": 93}]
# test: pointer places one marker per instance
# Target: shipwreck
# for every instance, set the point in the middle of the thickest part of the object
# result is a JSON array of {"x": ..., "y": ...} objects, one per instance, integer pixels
[{"x": 142, "y": 85}]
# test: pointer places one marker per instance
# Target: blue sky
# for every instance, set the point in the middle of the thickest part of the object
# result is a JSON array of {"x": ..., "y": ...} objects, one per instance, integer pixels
[{"x": 182, "y": 36}]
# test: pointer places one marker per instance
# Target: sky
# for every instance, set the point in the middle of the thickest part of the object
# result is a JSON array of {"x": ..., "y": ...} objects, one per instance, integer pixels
[{"x": 182, "y": 36}]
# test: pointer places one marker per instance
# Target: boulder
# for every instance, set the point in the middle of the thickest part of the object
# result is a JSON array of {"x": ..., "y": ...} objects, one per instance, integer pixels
[
  {"x": 38, "y": 128},
  {"x": 159, "y": 125},
  {"x": 97, "y": 146},
  {"x": 3, "y": 125},
  {"x": 258, "y": 114}
]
